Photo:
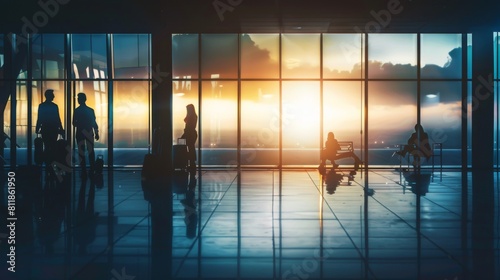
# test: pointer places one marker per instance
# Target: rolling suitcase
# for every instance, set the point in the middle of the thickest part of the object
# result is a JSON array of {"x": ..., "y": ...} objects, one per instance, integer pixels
[
  {"x": 151, "y": 172},
  {"x": 179, "y": 155},
  {"x": 62, "y": 160},
  {"x": 38, "y": 150},
  {"x": 98, "y": 176},
  {"x": 99, "y": 165}
]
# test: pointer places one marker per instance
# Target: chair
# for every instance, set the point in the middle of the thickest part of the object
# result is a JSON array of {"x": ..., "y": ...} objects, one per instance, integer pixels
[{"x": 437, "y": 152}]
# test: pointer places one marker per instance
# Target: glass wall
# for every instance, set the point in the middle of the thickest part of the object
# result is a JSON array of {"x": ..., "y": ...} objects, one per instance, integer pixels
[
  {"x": 260, "y": 99},
  {"x": 441, "y": 93},
  {"x": 270, "y": 97},
  {"x": 131, "y": 97},
  {"x": 260, "y": 125},
  {"x": 276, "y": 98},
  {"x": 106, "y": 68}
]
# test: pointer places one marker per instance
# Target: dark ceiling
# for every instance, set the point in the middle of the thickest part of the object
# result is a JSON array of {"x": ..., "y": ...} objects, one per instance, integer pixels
[{"x": 212, "y": 16}]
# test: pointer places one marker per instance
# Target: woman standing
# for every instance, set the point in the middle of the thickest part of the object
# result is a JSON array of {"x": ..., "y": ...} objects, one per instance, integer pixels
[{"x": 190, "y": 134}]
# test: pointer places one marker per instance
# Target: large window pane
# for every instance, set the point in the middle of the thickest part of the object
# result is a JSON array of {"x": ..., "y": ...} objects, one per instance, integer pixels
[
  {"x": 130, "y": 121},
  {"x": 2, "y": 54},
  {"x": 21, "y": 129},
  {"x": 131, "y": 56},
  {"x": 392, "y": 115},
  {"x": 469, "y": 123},
  {"x": 260, "y": 123},
  {"x": 392, "y": 56},
  {"x": 36, "y": 58},
  {"x": 89, "y": 56},
  {"x": 219, "y": 122},
  {"x": 259, "y": 56},
  {"x": 219, "y": 56},
  {"x": 185, "y": 56},
  {"x": 342, "y": 111},
  {"x": 496, "y": 52},
  {"x": 300, "y": 122},
  {"x": 48, "y": 56},
  {"x": 441, "y": 116},
  {"x": 343, "y": 55},
  {"x": 441, "y": 55},
  {"x": 53, "y": 56},
  {"x": 300, "y": 56},
  {"x": 496, "y": 130},
  {"x": 469, "y": 56}
]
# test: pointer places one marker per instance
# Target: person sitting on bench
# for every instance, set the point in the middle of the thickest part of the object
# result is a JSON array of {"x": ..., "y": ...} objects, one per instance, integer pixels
[{"x": 331, "y": 152}]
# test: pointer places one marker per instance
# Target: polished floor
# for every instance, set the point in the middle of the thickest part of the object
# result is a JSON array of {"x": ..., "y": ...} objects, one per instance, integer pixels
[{"x": 257, "y": 224}]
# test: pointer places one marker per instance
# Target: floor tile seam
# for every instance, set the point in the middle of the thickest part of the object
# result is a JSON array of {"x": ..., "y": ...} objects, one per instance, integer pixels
[
  {"x": 363, "y": 258},
  {"x": 449, "y": 187},
  {"x": 443, "y": 207},
  {"x": 201, "y": 228},
  {"x": 423, "y": 235},
  {"x": 215, "y": 206},
  {"x": 424, "y": 197},
  {"x": 105, "y": 250},
  {"x": 123, "y": 200}
]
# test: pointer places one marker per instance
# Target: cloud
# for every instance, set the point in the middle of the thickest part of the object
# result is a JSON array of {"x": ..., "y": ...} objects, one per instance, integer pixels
[{"x": 220, "y": 57}]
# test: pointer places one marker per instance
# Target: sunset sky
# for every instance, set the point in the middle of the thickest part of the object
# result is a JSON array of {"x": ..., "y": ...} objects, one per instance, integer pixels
[{"x": 392, "y": 104}]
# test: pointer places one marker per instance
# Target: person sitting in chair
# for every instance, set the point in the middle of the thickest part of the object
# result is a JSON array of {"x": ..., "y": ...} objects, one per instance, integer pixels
[
  {"x": 331, "y": 152},
  {"x": 417, "y": 145}
]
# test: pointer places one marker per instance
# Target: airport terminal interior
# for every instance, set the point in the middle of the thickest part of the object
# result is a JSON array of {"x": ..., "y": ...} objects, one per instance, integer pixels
[{"x": 270, "y": 82}]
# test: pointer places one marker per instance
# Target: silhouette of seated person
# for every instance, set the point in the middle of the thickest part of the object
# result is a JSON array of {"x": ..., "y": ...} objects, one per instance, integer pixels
[
  {"x": 331, "y": 152},
  {"x": 417, "y": 145}
]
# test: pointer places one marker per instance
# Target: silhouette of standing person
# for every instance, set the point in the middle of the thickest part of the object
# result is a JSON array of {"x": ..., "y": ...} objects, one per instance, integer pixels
[
  {"x": 86, "y": 130},
  {"x": 49, "y": 125},
  {"x": 417, "y": 145},
  {"x": 190, "y": 134}
]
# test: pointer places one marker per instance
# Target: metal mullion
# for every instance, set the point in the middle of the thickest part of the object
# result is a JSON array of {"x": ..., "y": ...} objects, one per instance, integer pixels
[
  {"x": 365, "y": 197},
  {"x": 200, "y": 88},
  {"x": 280, "y": 144},
  {"x": 321, "y": 124},
  {"x": 200, "y": 135},
  {"x": 238, "y": 157},
  {"x": 419, "y": 168},
  {"x": 29, "y": 92},
  {"x": 464, "y": 136},
  {"x": 110, "y": 67},
  {"x": 68, "y": 59},
  {"x": 321, "y": 92}
]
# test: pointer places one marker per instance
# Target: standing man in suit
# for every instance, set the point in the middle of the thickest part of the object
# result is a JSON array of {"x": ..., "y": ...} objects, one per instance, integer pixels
[
  {"x": 49, "y": 125},
  {"x": 86, "y": 130}
]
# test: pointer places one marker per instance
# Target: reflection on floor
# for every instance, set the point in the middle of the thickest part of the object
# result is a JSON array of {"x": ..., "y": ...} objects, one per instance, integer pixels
[{"x": 255, "y": 224}]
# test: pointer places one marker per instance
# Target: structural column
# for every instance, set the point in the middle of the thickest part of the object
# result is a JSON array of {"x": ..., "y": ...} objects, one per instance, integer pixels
[
  {"x": 483, "y": 204},
  {"x": 482, "y": 100},
  {"x": 161, "y": 100},
  {"x": 161, "y": 202}
]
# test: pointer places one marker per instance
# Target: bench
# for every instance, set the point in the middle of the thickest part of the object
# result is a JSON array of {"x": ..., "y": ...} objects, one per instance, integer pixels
[{"x": 345, "y": 147}]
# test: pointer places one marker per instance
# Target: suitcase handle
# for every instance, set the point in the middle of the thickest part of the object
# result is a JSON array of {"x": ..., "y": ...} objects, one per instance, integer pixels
[{"x": 181, "y": 141}]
